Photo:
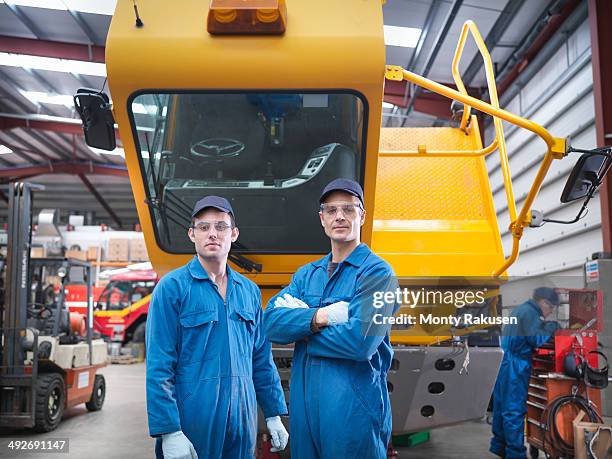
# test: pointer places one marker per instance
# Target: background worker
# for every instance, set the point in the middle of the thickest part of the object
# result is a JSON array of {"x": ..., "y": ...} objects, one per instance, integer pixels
[
  {"x": 338, "y": 394},
  {"x": 519, "y": 341},
  {"x": 208, "y": 359}
]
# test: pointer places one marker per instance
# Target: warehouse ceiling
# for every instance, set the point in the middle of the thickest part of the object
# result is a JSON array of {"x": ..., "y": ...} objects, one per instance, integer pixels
[{"x": 41, "y": 139}]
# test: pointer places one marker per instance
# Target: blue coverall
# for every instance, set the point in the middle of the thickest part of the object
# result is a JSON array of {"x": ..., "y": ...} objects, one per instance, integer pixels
[
  {"x": 207, "y": 363},
  {"x": 338, "y": 394},
  {"x": 510, "y": 394}
]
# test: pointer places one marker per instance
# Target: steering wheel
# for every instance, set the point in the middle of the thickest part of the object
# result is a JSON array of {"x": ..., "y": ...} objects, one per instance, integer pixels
[
  {"x": 217, "y": 147},
  {"x": 37, "y": 310}
]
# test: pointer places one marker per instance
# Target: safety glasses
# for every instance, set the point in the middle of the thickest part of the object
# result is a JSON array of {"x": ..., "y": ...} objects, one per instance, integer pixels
[
  {"x": 204, "y": 227},
  {"x": 349, "y": 209}
]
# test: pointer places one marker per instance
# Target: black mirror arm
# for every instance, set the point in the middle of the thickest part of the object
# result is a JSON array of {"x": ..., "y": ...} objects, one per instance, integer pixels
[
  {"x": 604, "y": 151},
  {"x": 580, "y": 212},
  {"x": 594, "y": 187}
]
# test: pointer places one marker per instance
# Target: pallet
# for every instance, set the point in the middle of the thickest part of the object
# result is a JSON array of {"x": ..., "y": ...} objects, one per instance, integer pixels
[{"x": 123, "y": 360}]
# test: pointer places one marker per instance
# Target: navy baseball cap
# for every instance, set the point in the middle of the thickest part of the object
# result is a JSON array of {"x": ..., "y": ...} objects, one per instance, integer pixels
[
  {"x": 546, "y": 293},
  {"x": 342, "y": 184},
  {"x": 217, "y": 202}
]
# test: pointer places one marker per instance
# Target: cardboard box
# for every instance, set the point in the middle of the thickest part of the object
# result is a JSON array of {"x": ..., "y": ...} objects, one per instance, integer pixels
[
  {"x": 76, "y": 254},
  {"x": 37, "y": 252},
  {"x": 138, "y": 250},
  {"x": 118, "y": 250},
  {"x": 94, "y": 253},
  {"x": 602, "y": 443}
]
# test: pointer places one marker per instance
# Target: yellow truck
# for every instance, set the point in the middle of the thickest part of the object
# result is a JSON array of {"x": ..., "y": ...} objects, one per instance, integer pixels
[{"x": 264, "y": 102}]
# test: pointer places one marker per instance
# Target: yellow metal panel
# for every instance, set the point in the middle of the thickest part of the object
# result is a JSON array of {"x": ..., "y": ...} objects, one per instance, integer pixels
[
  {"x": 429, "y": 189},
  {"x": 434, "y": 216},
  {"x": 324, "y": 42},
  {"x": 441, "y": 138}
]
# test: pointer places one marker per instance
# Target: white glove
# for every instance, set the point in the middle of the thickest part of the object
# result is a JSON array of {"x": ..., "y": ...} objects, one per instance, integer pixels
[
  {"x": 176, "y": 445},
  {"x": 287, "y": 301},
  {"x": 337, "y": 313},
  {"x": 279, "y": 435}
]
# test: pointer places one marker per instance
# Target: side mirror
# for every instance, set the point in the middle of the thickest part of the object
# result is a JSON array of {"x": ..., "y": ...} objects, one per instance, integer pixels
[
  {"x": 586, "y": 176},
  {"x": 584, "y": 180},
  {"x": 98, "y": 123}
]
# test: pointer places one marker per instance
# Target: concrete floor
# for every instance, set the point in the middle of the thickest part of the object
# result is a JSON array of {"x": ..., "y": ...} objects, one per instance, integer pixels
[{"x": 119, "y": 430}]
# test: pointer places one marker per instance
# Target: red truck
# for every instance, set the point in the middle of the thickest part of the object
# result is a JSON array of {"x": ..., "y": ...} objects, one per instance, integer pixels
[
  {"x": 120, "y": 312},
  {"x": 121, "y": 307}
]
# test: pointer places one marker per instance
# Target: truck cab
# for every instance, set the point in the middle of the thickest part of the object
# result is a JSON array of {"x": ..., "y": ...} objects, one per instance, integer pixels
[{"x": 121, "y": 310}]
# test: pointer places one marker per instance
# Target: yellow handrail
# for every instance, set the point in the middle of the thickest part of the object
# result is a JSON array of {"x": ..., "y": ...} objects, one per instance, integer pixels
[
  {"x": 423, "y": 151},
  {"x": 556, "y": 146},
  {"x": 396, "y": 73},
  {"x": 469, "y": 26}
]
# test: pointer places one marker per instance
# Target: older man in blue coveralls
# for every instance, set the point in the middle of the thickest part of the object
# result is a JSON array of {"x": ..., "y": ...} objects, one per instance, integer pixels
[
  {"x": 338, "y": 394},
  {"x": 519, "y": 341},
  {"x": 208, "y": 359}
]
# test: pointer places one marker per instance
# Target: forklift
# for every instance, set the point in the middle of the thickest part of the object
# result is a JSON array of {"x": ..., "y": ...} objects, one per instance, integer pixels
[{"x": 49, "y": 359}]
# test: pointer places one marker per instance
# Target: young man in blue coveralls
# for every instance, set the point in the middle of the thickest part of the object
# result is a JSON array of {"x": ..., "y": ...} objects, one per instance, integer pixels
[
  {"x": 208, "y": 359},
  {"x": 510, "y": 394},
  {"x": 338, "y": 394}
]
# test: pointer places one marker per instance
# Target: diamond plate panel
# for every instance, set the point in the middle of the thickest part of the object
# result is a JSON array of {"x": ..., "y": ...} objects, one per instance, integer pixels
[
  {"x": 416, "y": 188},
  {"x": 441, "y": 138}
]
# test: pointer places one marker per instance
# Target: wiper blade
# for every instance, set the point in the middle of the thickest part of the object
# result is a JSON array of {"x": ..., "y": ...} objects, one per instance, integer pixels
[
  {"x": 162, "y": 206},
  {"x": 243, "y": 262}
]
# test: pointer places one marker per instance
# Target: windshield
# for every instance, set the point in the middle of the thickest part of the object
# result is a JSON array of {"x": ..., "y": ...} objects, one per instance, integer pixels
[
  {"x": 270, "y": 154},
  {"x": 115, "y": 297}
]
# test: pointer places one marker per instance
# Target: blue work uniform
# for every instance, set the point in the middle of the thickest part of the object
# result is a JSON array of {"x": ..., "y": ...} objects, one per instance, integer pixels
[
  {"x": 208, "y": 362},
  {"x": 338, "y": 394},
  {"x": 519, "y": 341}
]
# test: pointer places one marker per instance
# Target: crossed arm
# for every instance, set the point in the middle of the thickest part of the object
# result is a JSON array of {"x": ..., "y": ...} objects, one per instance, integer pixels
[{"x": 356, "y": 339}]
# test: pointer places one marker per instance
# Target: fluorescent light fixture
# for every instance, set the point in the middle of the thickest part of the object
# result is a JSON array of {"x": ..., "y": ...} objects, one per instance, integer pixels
[
  {"x": 106, "y": 7},
  {"x": 406, "y": 37},
  {"x": 45, "y": 98},
  {"x": 48, "y": 4},
  {"x": 4, "y": 150},
  {"x": 52, "y": 64},
  {"x": 115, "y": 152},
  {"x": 388, "y": 105}
]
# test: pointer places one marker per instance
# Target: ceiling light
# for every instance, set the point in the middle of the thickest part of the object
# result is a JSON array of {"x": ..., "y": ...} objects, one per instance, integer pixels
[
  {"x": 115, "y": 152},
  {"x": 388, "y": 105},
  {"x": 52, "y": 64},
  {"x": 4, "y": 150},
  {"x": 106, "y": 7},
  {"x": 48, "y": 4},
  {"x": 406, "y": 37},
  {"x": 45, "y": 98}
]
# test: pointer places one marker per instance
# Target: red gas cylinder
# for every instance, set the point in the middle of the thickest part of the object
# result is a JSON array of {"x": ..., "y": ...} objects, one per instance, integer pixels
[{"x": 77, "y": 324}]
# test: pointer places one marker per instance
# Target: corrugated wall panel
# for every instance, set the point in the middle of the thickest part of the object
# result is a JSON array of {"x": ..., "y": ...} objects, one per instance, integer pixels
[{"x": 560, "y": 98}]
